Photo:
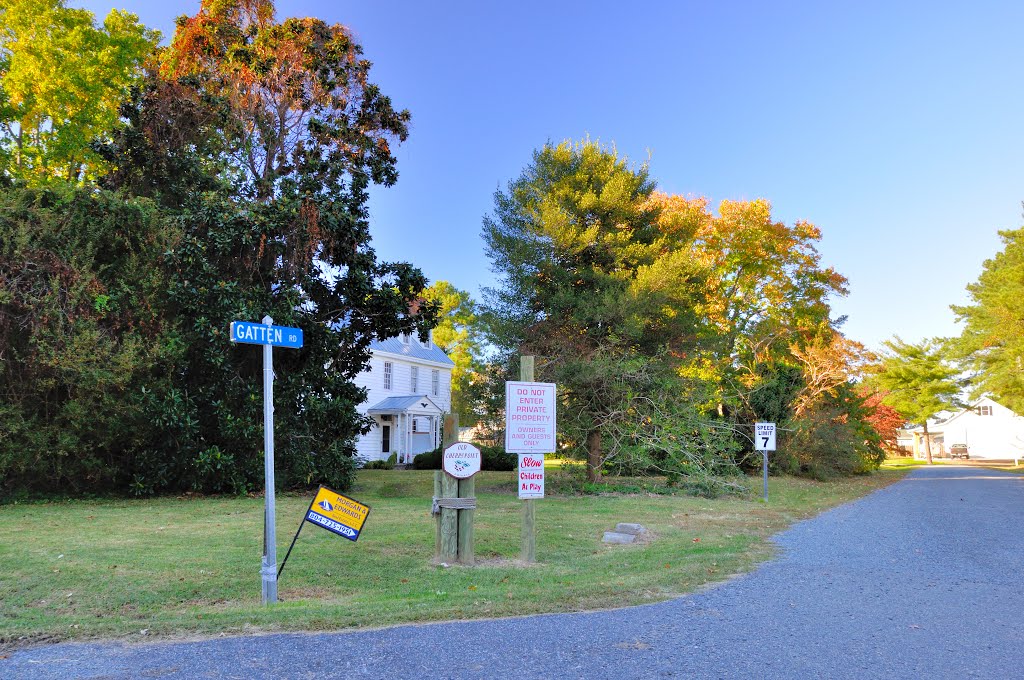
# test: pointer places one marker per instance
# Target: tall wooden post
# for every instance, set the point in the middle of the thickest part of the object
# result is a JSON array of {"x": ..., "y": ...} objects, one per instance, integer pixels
[
  {"x": 448, "y": 519},
  {"x": 528, "y": 553},
  {"x": 438, "y": 475},
  {"x": 467, "y": 554}
]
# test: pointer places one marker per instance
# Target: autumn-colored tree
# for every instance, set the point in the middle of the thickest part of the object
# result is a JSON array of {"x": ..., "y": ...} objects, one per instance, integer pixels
[
  {"x": 62, "y": 79},
  {"x": 763, "y": 291},
  {"x": 457, "y": 333},
  {"x": 826, "y": 364},
  {"x": 766, "y": 288},
  {"x": 307, "y": 120},
  {"x": 886, "y": 420}
]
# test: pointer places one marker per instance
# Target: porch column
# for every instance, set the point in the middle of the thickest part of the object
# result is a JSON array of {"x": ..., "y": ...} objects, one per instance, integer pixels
[
  {"x": 399, "y": 439},
  {"x": 409, "y": 435}
]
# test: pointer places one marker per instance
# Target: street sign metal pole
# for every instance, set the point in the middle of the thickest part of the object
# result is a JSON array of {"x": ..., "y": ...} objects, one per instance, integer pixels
[
  {"x": 269, "y": 568},
  {"x": 764, "y": 441},
  {"x": 765, "y": 454}
]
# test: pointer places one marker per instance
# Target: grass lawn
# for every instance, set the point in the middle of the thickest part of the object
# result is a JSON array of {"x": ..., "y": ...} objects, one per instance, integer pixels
[
  {"x": 903, "y": 463},
  {"x": 175, "y": 567}
]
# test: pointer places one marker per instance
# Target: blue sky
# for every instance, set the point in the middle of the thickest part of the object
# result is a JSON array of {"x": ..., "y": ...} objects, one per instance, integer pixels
[{"x": 895, "y": 127}]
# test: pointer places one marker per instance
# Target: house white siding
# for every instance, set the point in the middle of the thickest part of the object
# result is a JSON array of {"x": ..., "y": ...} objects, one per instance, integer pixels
[
  {"x": 998, "y": 434},
  {"x": 989, "y": 429},
  {"x": 369, "y": 446}
]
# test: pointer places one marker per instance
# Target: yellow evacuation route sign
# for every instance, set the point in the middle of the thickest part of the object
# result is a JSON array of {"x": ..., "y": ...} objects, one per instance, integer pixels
[{"x": 337, "y": 513}]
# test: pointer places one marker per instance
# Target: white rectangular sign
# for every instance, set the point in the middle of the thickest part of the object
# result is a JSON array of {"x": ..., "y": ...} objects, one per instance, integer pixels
[
  {"x": 764, "y": 436},
  {"x": 529, "y": 417},
  {"x": 531, "y": 475}
]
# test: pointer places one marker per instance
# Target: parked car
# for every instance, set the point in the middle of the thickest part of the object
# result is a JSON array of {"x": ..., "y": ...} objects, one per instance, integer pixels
[{"x": 959, "y": 451}]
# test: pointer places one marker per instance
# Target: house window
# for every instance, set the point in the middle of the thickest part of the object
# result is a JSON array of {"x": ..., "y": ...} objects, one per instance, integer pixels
[
  {"x": 414, "y": 379},
  {"x": 984, "y": 410},
  {"x": 388, "y": 372},
  {"x": 406, "y": 339},
  {"x": 435, "y": 382}
]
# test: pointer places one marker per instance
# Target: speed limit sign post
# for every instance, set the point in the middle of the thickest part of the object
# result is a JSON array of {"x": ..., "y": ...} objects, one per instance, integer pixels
[{"x": 764, "y": 441}]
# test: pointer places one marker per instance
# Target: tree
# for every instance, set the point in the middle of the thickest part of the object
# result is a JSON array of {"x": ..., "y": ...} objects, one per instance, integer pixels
[
  {"x": 456, "y": 333},
  {"x": 589, "y": 284},
  {"x": 307, "y": 120},
  {"x": 813, "y": 396},
  {"x": 916, "y": 381},
  {"x": 292, "y": 242},
  {"x": 83, "y": 335},
  {"x": 826, "y": 364},
  {"x": 886, "y": 420},
  {"x": 763, "y": 295},
  {"x": 992, "y": 341},
  {"x": 765, "y": 288},
  {"x": 62, "y": 80},
  {"x": 832, "y": 437},
  {"x": 288, "y": 113}
]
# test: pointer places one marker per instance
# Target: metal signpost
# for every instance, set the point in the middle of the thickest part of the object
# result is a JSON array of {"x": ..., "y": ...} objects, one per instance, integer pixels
[
  {"x": 764, "y": 441},
  {"x": 269, "y": 336}
]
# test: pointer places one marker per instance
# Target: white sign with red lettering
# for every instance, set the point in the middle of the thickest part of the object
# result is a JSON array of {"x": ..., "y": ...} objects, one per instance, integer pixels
[
  {"x": 531, "y": 475},
  {"x": 529, "y": 417},
  {"x": 461, "y": 460}
]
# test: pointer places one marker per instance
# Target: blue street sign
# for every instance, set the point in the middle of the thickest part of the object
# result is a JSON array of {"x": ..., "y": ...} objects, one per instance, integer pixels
[{"x": 262, "y": 334}]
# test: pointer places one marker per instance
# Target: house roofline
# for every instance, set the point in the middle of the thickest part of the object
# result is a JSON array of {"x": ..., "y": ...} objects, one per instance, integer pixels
[{"x": 410, "y": 358}]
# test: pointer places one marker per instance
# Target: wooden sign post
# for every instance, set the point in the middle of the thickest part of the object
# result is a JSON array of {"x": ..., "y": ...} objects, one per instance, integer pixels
[
  {"x": 455, "y": 496},
  {"x": 530, "y": 431}
]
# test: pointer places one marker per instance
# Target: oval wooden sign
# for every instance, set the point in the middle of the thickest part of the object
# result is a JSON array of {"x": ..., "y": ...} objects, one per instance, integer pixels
[{"x": 461, "y": 460}]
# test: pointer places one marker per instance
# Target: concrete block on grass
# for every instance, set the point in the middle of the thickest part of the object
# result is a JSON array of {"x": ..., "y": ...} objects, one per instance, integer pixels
[
  {"x": 618, "y": 538},
  {"x": 626, "y": 528}
]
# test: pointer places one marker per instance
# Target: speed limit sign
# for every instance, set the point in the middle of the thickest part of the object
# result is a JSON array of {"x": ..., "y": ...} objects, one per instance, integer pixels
[{"x": 764, "y": 436}]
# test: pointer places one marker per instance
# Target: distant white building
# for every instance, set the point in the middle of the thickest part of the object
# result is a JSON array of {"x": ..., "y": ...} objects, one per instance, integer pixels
[
  {"x": 988, "y": 429},
  {"x": 408, "y": 391}
]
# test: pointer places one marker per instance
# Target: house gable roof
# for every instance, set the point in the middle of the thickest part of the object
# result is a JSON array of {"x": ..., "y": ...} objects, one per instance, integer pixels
[
  {"x": 941, "y": 424},
  {"x": 413, "y": 350},
  {"x": 419, "y": 403}
]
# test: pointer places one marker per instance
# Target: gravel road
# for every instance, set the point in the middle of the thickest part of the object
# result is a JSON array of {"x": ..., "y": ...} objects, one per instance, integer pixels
[{"x": 918, "y": 580}]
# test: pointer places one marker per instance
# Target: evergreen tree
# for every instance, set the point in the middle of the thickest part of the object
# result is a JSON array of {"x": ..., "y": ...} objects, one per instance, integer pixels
[
  {"x": 916, "y": 381},
  {"x": 992, "y": 342},
  {"x": 590, "y": 284}
]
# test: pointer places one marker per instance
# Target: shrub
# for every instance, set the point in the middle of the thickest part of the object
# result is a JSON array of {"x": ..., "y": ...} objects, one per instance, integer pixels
[
  {"x": 379, "y": 465},
  {"x": 493, "y": 459},
  {"x": 431, "y": 460}
]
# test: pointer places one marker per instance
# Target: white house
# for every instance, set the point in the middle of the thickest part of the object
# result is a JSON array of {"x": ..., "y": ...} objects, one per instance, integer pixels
[
  {"x": 408, "y": 390},
  {"x": 989, "y": 429}
]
